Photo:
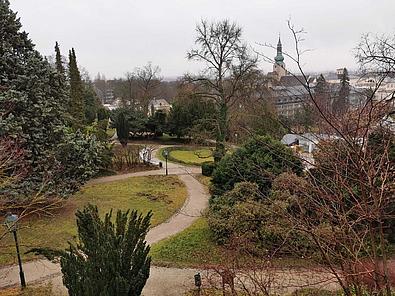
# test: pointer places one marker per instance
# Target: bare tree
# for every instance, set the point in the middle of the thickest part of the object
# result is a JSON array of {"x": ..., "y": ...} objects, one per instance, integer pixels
[
  {"x": 227, "y": 65},
  {"x": 348, "y": 207},
  {"x": 131, "y": 89},
  {"x": 148, "y": 79}
]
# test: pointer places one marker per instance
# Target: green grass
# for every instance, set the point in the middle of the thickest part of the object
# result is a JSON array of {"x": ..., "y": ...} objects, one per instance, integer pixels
[
  {"x": 191, "y": 247},
  {"x": 161, "y": 194},
  {"x": 187, "y": 155}
]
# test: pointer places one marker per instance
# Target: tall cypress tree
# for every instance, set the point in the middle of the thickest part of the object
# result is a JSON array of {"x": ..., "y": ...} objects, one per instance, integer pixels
[
  {"x": 341, "y": 101},
  {"x": 58, "y": 60},
  {"x": 76, "y": 109}
]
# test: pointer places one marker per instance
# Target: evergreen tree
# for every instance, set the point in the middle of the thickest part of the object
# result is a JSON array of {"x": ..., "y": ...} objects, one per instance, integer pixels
[
  {"x": 110, "y": 259},
  {"x": 56, "y": 160},
  {"x": 58, "y": 61},
  {"x": 191, "y": 115},
  {"x": 121, "y": 123},
  {"x": 91, "y": 102},
  {"x": 77, "y": 110},
  {"x": 322, "y": 94},
  {"x": 31, "y": 100},
  {"x": 341, "y": 101}
]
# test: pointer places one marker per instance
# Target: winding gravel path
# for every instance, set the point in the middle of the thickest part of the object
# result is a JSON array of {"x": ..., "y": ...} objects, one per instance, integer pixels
[{"x": 163, "y": 281}]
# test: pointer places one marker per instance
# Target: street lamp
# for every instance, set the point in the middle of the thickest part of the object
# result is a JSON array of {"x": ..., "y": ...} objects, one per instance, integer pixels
[
  {"x": 166, "y": 153},
  {"x": 10, "y": 223},
  {"x": 198, "y": 281}
]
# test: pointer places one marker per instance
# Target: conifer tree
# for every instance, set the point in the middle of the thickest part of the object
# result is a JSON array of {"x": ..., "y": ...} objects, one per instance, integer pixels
[
  {"x": 32, "y": 112},
  {"x": 31, "y": 99},
  {"x": 91, "y": 102},
  {"x": 76, "y": 109},
  {"x": 110, "y": 259},
  {"x": 58, "y": 61},
  {"x": 341, "y": 101},
  {"x": 322, "y": 93},
  {"x": 121, "y": 124}
]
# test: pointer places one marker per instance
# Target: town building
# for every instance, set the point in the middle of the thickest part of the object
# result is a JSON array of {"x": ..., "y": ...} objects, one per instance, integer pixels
[
  {"x": 287, "y": 91},
  {"x": 158, "y": 105}
]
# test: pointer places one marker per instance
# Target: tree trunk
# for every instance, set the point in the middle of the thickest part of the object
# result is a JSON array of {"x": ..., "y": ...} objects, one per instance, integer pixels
[{"x": 222, "y": 130}]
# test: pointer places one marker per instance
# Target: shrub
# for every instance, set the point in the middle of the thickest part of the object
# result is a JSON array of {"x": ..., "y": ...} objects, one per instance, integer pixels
[
  {"x": 208, "y": 168},
  {"x": 81, "y": 157},
  {"x": 259, "y": 161},
  {"x": 110, "y": 258},
  {"x": 236, "y": 213},
  {"x": 242, "y": 213}
]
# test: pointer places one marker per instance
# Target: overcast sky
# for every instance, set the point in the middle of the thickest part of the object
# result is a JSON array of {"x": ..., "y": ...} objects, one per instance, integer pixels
[{"x": 116, "y": 36}]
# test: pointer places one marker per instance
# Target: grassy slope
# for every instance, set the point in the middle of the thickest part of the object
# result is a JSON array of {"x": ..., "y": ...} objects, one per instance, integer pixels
[
  {"x": 190, "y": 247},
  {"x": 163, "y": 195}
]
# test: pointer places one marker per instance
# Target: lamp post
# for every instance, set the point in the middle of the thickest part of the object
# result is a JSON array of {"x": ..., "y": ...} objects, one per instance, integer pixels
[
  {"x": 166, "y": 153},
  {"x": 10, "y": 223},
  {"x": 198, "y": 282}
]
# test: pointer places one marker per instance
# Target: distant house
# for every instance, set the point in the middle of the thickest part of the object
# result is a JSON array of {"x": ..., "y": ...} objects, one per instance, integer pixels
[
  {"x": 116, "y": 103},
  {"x": 158, "y": 105},
  {"x": 306, "y": 141}
]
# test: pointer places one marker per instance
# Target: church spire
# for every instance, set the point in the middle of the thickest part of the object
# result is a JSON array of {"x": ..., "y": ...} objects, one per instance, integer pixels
[{"x": 279, "y": 59}]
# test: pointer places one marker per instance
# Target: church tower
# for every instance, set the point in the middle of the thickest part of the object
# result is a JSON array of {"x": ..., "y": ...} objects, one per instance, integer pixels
[{"x": 279, "y": 65}]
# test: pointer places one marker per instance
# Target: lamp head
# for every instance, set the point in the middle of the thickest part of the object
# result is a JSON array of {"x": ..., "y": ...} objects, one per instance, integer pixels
[{"x": 10, "y": 221}]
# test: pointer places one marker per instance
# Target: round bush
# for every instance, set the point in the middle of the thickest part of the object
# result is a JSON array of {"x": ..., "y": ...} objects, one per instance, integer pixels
[
  {"x": 259, "y": 161},
  {"x": 208, "y": 168}
]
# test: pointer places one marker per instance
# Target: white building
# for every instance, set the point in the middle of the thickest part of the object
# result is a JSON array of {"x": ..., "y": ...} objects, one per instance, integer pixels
[{"x": 158, "y": 105}]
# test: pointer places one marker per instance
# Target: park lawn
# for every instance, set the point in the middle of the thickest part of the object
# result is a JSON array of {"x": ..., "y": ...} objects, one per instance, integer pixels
[
  {"x": 187, "y": 155},
  {"x": 191, "y": 247},
  {"x": 164, "y": 195},
  {"x": 197, "y": 156}
]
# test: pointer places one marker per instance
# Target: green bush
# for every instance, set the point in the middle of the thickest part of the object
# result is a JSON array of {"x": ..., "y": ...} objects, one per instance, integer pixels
[
  {"x": 110, "y": 258},
  {"x": 259, "y": 161},
  {"x": 236, "y": 213},
  {"x": 208, "y": 168},
  {"x": 242, "y": 213}
]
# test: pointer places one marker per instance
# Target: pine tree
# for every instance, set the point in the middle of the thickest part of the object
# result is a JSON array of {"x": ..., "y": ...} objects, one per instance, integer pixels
[
  {"x": 76, "y": 110},
  {"x": 110, "y": 259}
]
